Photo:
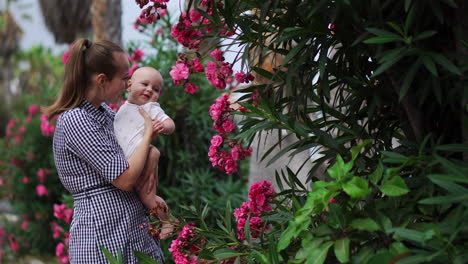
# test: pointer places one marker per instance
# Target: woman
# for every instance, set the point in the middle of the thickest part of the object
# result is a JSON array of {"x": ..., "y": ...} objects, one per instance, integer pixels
[{"x": 90, "y": 163}]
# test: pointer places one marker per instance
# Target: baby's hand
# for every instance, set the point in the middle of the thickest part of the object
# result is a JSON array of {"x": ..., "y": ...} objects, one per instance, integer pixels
[{"x": 158, "y": 127}]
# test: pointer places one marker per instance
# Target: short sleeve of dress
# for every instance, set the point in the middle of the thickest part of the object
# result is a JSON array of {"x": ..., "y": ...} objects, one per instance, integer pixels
[
  {"x": 93, "y": 144},
  {"x": 155, "y": 111}
]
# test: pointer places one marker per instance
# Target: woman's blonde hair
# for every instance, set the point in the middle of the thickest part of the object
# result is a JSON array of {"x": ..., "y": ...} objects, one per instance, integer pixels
[{"x": 86, "y": 58}]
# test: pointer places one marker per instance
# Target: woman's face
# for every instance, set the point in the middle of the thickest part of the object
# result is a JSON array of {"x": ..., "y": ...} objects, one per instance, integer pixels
[{"x": 117, "y": 85}]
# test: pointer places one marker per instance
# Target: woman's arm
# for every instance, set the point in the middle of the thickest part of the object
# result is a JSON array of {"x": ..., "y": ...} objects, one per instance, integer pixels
[{"x": 126, "y": 181}]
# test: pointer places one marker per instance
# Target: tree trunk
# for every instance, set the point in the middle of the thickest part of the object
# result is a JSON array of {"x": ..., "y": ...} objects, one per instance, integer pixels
[{"x": 107, "y": 20}]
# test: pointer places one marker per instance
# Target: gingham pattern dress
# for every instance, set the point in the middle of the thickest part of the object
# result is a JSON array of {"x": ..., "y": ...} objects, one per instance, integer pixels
[{"x": 88, "y": 158}]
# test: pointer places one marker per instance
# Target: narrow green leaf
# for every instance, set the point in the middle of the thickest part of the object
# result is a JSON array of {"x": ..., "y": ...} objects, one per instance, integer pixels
[
  {"x": 108, "y": 255},
  {"x": 382, "y": 33},
  {"x": 448, "y": 199},
  {"x": 396, "y": 186},
  {"x": 292, "y": 53},
  {"x": 453, "y": 147},
  {"x": 383, "y": 67},
  {"x": 449, "y": 186},
  {"x": 380, "y": 40},
  {"x": 425, "y": 35},
  {"x": 429, "y": 64},
  {"x": 342, "y": 250},
  {"x": 143, "y": 258},
  {"x": 365, "y": 224},
  {"x": 407, "y": 4},
  {"x": 409, "y": 77},
  {"x": 259, "y": 256},
  {"x": 357, "y": 149},
  {"x": 226, "y": 253},
  {"x": 444, "y": 62},
  {"x": 375, "y": 176},
  {"x": 449, "y": 177}
]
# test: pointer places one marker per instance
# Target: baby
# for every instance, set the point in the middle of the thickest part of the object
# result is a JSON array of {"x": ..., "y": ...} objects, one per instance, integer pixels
[{"x": 144, "y": 89}]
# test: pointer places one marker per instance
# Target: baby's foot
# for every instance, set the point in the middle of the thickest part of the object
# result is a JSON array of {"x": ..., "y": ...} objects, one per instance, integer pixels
[{"x": 166, "y": 230}]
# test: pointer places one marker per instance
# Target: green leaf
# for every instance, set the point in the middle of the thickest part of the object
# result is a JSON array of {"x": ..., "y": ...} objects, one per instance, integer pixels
[
  {"x": 444, "y": 62},
  {"x": 380, "y": 40},
  {"x": 409, "y": 234},
  {"x": 429, "y": 64},
  {"x": 425, "y": 35},
  {"x": 448, "y": 199},
  {"x": 396, "y": 186},
  {"x": 356, "y": 187},
  {"x": 144, "y": 259},
  {"x": 292, "y": 53},
  {"x": 259, "y": 256},
  {"x": 449, "y": 177},
  {"x": 382, "y": 33},
  {"x": 376, "y": 176},
  {"x": 342, "y": 250},
  {"x": 318, "y": 255},
  {"x": 226, "y": 253},
  {"x": 449, "y": 186},
  {"x": 357, "y": 149},
  {"x": 108, "y": 255},
  {"x": 409, "y": 77},
  {"x": 386, "y": 65},
  {"x": 340, "y": 168},
  {"x": 365, "y": 224},
  {"x": 453, "y": 147}
]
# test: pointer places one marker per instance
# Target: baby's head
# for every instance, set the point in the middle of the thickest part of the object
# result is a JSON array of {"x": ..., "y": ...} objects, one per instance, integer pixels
[{"x": 144, "y": 86}]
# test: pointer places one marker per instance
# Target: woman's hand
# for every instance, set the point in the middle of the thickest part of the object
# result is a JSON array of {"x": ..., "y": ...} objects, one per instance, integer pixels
[{"x": 148, "y": 123}]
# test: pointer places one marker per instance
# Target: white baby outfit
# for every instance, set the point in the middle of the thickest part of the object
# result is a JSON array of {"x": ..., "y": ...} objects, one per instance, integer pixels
[{"x": 129, "y": 125}]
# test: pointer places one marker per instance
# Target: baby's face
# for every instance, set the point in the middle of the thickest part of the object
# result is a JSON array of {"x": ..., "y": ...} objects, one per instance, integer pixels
[{"x": 144, "y": 86}]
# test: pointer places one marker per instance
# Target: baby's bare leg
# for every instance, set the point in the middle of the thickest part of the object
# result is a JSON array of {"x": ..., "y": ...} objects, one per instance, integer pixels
[{"x": 151, "y": 166}]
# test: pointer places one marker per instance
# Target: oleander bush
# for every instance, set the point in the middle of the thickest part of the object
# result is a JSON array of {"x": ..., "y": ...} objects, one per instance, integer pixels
[{"x": 377, "y": 89}]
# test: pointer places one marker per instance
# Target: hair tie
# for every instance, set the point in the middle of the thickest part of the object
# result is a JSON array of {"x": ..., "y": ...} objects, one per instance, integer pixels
[{"x": 88, "y": 43}]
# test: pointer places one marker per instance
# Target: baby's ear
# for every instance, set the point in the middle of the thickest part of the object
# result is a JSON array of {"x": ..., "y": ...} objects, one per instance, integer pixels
[{"x": 129, "y": 83}]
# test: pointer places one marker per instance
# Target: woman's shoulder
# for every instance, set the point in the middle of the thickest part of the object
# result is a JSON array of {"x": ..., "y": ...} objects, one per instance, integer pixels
[{"x": 73, "y": 117}]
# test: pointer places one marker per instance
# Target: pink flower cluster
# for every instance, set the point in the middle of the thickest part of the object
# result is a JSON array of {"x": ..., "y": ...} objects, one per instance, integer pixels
[
  {"x": 46, "y": 128},
  {"x": 61, "y": 251},
  {"x": 185, "y": 31},
  {"x": 152, "y": 12},
  {"x": 137, "y": 55},
  {"x": 66, "y": 54},
  {"x": 180, "y": 73},
  {"x": 221, "y": 157},
  {"x": 184, "y": 249},
  {"x": 41, "y": 190},
  {"x": 260, "y": 195},
  {"x": 62, "y": 212},
  {"x": 218, "y": 72}
]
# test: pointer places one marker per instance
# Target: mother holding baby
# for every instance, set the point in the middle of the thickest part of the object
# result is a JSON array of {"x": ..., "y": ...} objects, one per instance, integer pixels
[{"x": 90, "y": 163}]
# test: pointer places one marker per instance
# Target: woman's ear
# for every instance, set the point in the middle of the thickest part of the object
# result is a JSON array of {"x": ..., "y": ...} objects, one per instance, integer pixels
[{"x": 101, "y": 79}]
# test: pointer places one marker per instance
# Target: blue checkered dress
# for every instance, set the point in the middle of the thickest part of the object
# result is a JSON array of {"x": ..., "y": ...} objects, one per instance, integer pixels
[{"x": 88, "y": 158}]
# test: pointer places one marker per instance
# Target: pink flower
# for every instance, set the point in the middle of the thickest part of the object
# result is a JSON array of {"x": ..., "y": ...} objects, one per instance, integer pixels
[
  {"x": 22, "y": 130},
  {"x": 59, "y": 211},
  {"x": 333, "y": 200},
  {"x": 197, "y": 66},
  {"x": 133, "y": 69},
  {"x": 25, "y": 180},
  {"x": 65, "y": 56},
  {"x": 217, "y": 55},
  {"x": 137, "y": 55},
  {"x": 216, "y": 140},
  {"x": 194, "y": 15},
  {"x": 13, "y": 244},
  {"x": 68, "y": 215},
  {"x": 191, "y": 88},
  {"x": 41, "y": 190},
  {"x": 33, "y": 109},
  {"x": 24, "y": 225},
  {"x": 179, "y": 72},
  {"x": 59, "y": 249},
  {"x": 228, "y": 126},
  {"x": 17, "y": 139},
  {"x": 41, "y": 175},
  {"x": 56, "y": 230}
]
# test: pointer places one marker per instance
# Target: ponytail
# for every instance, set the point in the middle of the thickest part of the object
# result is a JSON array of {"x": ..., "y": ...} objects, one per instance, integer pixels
[{"x": 86, "y": 58}]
